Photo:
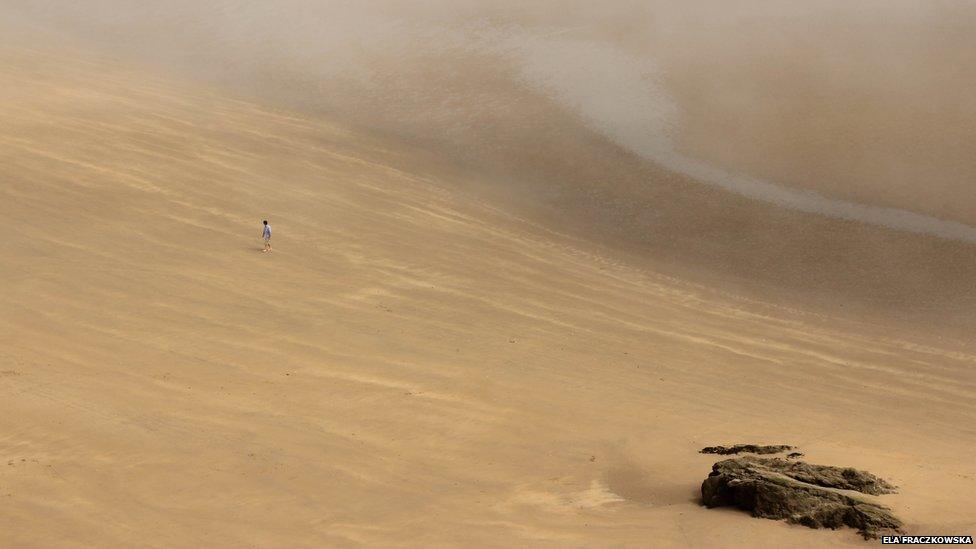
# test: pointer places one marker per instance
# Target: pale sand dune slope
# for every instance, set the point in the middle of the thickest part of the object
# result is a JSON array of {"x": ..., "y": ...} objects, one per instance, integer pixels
[{"x": 410, "y": 367}]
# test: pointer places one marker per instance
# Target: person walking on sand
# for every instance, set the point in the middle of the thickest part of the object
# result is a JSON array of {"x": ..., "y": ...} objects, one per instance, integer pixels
[{"x": 267, "y": 237}]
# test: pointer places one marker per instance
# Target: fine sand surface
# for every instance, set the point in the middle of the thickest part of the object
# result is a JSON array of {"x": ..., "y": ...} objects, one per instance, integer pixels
[
  {"x": 626, "y": 123},
  {"x": 412, "y": 366}
]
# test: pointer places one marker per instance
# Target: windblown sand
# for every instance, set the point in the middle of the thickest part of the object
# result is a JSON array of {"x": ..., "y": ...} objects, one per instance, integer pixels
[{"x": 412, "y": 365}]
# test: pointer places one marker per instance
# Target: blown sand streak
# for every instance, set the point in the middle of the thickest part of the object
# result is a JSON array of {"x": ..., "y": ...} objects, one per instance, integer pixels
[{"x": 410, "y": 367}]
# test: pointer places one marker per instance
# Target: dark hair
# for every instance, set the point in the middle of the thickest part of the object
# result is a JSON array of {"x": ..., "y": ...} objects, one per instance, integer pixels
[{"x": 265, "y": 221}]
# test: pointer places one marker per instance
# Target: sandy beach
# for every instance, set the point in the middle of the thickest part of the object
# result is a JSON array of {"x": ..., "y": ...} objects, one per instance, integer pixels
[{"x": 420, "y": 361}]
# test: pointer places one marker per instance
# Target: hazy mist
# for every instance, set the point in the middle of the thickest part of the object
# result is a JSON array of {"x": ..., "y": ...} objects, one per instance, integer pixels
[{"x": 866, "y": 103}]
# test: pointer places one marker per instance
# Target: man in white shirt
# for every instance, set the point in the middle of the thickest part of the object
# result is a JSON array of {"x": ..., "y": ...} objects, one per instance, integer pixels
[{"x": 267, "y": 237}]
